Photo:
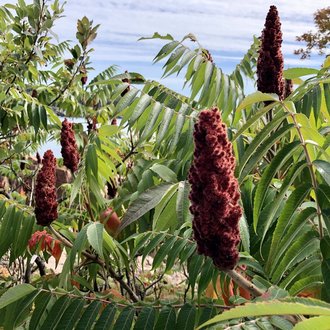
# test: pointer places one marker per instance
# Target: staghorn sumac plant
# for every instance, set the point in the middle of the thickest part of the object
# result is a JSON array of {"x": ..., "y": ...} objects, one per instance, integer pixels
[{"x": 259, "y": 215}]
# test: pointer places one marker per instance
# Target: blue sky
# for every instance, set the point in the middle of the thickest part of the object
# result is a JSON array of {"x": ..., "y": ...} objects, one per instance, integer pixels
[{"x": 224, "y": 27}]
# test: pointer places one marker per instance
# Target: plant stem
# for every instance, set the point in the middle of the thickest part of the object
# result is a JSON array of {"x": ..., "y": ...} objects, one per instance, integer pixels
[
  {"x": 244, "y": 283},
  {"x": 62, "y": 91},
  {"x": 107, "y": 302},
  {"x": 128, "y": 155},
  {"x": 310, "y": 168},
  {"x": 96, "y": 259},
  {"x": 60, "y": 237}
]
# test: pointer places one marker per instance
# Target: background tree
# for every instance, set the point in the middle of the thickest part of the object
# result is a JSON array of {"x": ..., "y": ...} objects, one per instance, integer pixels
[{"x": 318, "y": 40}]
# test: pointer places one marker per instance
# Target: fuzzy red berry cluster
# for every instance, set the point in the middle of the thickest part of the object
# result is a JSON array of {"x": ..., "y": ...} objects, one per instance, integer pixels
[
  {"x": 270, "y": 60},
  {"x": 69, "y": 147},
  {"x": 45, "y": 192},
  {"x": 214, "y": 192}
]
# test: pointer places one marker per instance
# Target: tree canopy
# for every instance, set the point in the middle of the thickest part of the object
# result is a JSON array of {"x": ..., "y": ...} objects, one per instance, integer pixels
[{"x": 318, "y": 40}]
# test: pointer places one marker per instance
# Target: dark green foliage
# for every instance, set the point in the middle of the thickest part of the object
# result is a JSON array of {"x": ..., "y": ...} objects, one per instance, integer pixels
[{"x": 282, "y": 168}]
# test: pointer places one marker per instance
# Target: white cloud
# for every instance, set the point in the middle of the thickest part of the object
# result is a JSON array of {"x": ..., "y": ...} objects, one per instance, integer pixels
[
  {"x": 224, "y": 27},
  {"x": 221, "y": 26}
]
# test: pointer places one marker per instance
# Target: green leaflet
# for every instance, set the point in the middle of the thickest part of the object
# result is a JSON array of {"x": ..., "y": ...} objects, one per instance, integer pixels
[
  {"x": 16, "y": 229},
  {"x": 166, "y": 319},
  {"x": 78, "y": 245},
  {"x": 169, "y": 66},
  {"x": 268, "y": 214},
  {"x": 254, "y": 155},
  {"x": 165, "y": 214},
  {"x": 244, "y": 233},
  {"x": 182, "y": 202},
  {"x": 310, "y": 282},
  {"x": 316, "y": 101},
  {"x": 144, "y": 203},
  {"x": 23, "y": 235},
  {"x": 154, "y": 242},
  {"x": 153, "y": 116},
  {"x": 325, "y": 268},
  {"x": 259, "y": 139},
  {"x": 319, "y": 323},
  {"x": 126, "y": 100},
  {"x": 188, "y": 251},
  {"x": 53, "y": 117},
  {"x": 299, "y": 72},
  {"x": 256, "y": 97},
  {"x": 284, "y": 220},
  {"x": 106, "y": 131},
  {"x": 91, "y": 161},
  {"x": 194, "y": 267},
  {"x": 82, "y": 281},
  {"x": 95, "y": 237},
  {"x": 139, "y": 242},
  {"x": 209, "y": 68},
  {"x": 247, "y": 66},
  {"x": 222, "y": 101},
  {"x": 206, "y": 313},
  {"x": 146, "y": 319},
  {"x": 207, "y": 272},
  {"x": 16, "y": 312},
  {"x": 176, "y": 249},
  {"x": 180, "y": 120},
  {"x": 323, "y": 199},
  {"x": 163, "y": 252},
  {"x": 302, "y": 306},
  {"x": 305, "y": 246},
  {"x": 55, "y": 314},
  {"x": 325, "y": 247},
  {"x": 277, "y": 162},
  {"x": 164, "y": 172},
  {"x": 325, "y": 265},
  {"x": 7, "y": 233},
  {"x": 188, "y": 56},
  {"x": 324, "y": 169},
  {"x": 125, "y": 319},
  {"x": 77, "y": 183},
  {"x": 106, "y": 319},
  {"x": 211, "y": 97},
  {"x": 15, "y": 293},
  {"x": 166, "y": 50},
  {"x": 41, "y": 303},
  {"x": 88, "y": 317},
  {"x": 286, "y": 234},
  {"x": 197, "y": 80},
  {"x": 186, "y": 318},
  {"x": 309, "y": 265},
  {"x": 326, "y": 88},
  {"x": 143, "y": 103},
  {"x": 165, "y": 123},
  {"x": 253, "y": 119}
]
